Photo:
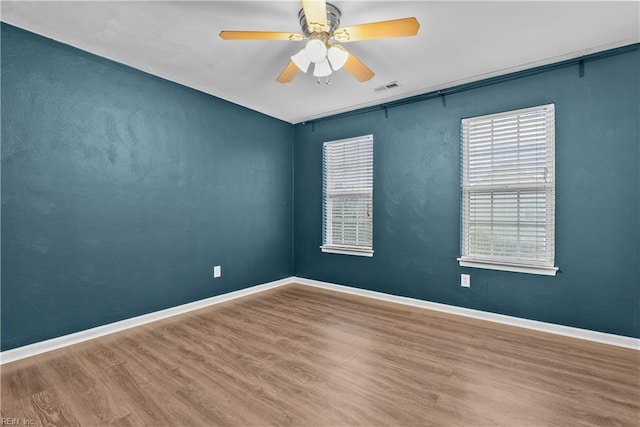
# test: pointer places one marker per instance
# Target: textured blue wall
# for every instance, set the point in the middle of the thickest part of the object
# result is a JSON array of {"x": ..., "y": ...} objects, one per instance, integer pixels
[
  {"x": 417, "y": 200},
  {"x": 121, "y": 191}
]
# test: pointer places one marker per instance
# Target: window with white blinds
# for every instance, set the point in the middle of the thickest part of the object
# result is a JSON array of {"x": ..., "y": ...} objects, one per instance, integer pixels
[
  {"x": 347, "y": 211},
  {"x": 508, "y": 191}
]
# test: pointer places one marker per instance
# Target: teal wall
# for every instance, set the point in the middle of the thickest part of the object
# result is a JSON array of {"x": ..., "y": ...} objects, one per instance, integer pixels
[
  {"x": 121, "y": 191},
  {"x": 417, "y": 200}
]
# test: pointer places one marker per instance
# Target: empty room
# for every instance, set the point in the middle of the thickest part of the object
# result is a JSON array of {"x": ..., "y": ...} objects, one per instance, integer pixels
[{"x": 311, "y": 213}]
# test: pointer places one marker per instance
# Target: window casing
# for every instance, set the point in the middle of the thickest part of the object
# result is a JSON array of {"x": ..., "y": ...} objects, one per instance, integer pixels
[
  {"x": 508, "y": 191},
  {"x": 347, "y": 211}
]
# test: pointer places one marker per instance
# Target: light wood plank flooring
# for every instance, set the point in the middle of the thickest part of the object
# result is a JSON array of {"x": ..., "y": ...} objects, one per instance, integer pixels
[{"x": 297, "y": 355}]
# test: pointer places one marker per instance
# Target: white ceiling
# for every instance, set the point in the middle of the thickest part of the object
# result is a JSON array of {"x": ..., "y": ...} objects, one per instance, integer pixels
[{"x": 458, "y": 42}]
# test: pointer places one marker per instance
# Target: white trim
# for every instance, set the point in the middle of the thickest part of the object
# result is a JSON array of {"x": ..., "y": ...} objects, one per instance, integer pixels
[
  {"x": 347, "y": 177},
  {"x": 585, "y": 334},
  {"x": 497, "y": 154},
  {"x": 89, "y": 334},
  {"x": 488, "y": 265},
  {"x": 338, "y": 250},
  {"x": 352, "y": 139},
  {"x": 500, "y": 114}
]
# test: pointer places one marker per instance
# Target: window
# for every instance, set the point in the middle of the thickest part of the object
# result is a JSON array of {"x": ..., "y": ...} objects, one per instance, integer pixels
[
  {"x": 508, "y": 191},
  {"x": 347, "y": 211}
]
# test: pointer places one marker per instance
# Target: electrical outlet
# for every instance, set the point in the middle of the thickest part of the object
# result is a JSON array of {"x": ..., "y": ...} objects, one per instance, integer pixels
[
  {"x": 217, "y": 271},
  {"x": 465, "y": 280}
]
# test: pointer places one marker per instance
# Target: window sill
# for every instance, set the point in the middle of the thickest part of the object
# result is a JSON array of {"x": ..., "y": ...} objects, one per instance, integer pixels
[
  {"x": 516, "y": 268},
  {"x": 347, "y": 251}
]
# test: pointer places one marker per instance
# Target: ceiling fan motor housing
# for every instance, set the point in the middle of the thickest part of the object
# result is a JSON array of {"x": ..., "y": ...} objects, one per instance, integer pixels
[{"x": 333, "y": 22}]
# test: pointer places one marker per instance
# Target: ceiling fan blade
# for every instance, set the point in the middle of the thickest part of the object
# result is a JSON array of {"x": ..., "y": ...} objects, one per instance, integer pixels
[
  {"x": 356, "y": 68},
  {"x": 404, "y": 27},
  {"x": 288, "y": 73},
  {"x": 315, "y": 11},
  {"x": 260, "y": 35}
]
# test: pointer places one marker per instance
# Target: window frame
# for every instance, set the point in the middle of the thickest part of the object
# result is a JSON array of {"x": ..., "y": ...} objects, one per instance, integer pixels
[
  {"x": 502, "y": 263},
  {"x": 328, "y": 245}
]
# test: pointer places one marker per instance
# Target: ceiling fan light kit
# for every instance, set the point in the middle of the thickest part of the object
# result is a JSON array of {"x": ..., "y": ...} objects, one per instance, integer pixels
[
  {"x": 301, "y": 59},
  {"x": 319, "y": 22},
  {"x": 322, "y": 69},
  {"x": 337, "y": 57},
  {"x": 316, "y": 50},
  {"x": 326, "y": 61}
]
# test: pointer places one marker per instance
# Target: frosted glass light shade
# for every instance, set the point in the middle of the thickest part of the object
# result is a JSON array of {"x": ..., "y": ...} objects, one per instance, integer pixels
[
  {"x": 322, "y": 69},
  {"x": 301, "y": 60},
  {"x": 316, "y": 50},
  {"x": 337, "y": 57}
]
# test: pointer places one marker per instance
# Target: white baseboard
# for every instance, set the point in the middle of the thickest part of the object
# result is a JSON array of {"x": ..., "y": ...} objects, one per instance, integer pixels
[
  {"x": 89, "y": 334},
  {"x": 585, "y": 334}
]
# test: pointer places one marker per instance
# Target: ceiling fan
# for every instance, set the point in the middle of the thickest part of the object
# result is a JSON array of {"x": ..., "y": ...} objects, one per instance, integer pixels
[{"x": 320, "y": 22}]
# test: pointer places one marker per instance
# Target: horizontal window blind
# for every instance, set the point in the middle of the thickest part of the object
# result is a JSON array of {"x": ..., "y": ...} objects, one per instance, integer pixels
[
  {"x": 348, "y": 195},
  {"x": 508, "y": 187}
]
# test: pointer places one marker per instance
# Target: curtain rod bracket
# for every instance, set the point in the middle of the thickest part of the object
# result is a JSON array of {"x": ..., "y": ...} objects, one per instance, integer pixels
[
  {"x": 443, "y": 99},
  {"x": 386, "y": 112},
  {"x": 581, "y": 68}
]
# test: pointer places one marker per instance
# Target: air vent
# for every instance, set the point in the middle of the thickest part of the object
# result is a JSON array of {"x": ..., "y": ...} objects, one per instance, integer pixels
[{"x": 388, "y": 86}]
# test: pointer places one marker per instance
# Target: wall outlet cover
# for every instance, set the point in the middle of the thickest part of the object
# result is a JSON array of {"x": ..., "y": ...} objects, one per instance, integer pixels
[
  {"x": 217, "y": 271},
  {"x": 465, "y": 280}
]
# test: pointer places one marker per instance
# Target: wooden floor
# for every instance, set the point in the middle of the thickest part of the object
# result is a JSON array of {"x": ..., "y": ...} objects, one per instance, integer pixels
[{"x": 297, "y": 355}]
